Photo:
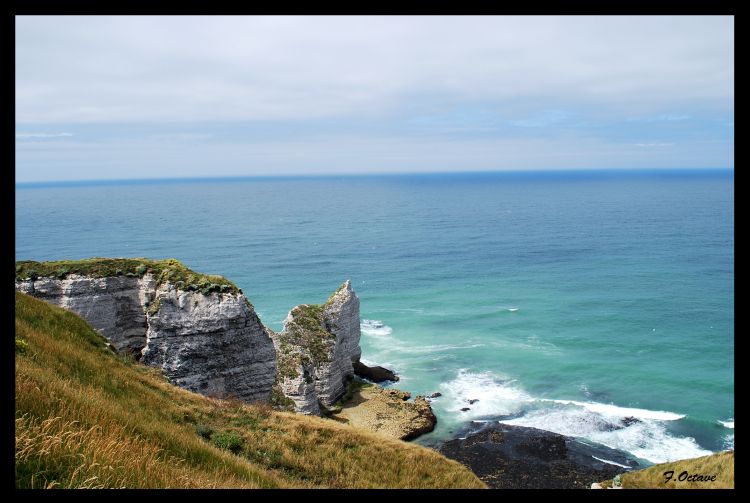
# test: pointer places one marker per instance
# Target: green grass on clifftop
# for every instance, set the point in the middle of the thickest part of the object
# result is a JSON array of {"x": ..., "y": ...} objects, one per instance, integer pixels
[
  {"x": 168, "y": 270},
  {"x": 86, "y": 417}
]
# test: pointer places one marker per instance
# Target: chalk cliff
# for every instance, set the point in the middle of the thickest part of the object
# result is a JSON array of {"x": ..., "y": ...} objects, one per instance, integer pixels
[
  {"x": 204, "y": 335},
  {"x": 316, "y": 350},
  {"x": 114, "y": 306},
  {"x": 203, "y": 332},
  {"x": 214, "y": 344}
]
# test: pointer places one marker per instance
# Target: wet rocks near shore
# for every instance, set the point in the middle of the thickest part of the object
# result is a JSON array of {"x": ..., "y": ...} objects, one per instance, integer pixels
[
  {"x": 517, "y": 457},
  {"x": 374, "y": 374}
]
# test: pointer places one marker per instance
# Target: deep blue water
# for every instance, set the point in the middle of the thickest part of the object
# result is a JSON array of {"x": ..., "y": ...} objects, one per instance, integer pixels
[{"x": 558, "y": 300}]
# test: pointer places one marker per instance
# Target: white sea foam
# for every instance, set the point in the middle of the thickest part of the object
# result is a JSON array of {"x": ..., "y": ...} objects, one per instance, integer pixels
[
  {"x": 728, "y": 442},
  {"x": 615, "y": 411},
  {"x": 376, "y": 328},
  {"x": 512, "y": 309},
  {"x": 729, "y": 423},
  {"x": 610, "y": 462},
  {"x": 646, "y": 438},
  {"x": 494, "y": 395}
]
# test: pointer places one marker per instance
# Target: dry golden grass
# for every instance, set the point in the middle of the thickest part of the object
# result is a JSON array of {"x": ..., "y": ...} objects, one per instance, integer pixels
[
  {"x": 86, "y": 417},
  {"x": 720, "y": 464}
]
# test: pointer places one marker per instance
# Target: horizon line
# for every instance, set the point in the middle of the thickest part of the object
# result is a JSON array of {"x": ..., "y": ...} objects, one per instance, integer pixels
[{"x": 229, "y": 178}]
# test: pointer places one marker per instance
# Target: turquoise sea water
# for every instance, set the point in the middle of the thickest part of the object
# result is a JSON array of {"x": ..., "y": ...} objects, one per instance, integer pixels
[{"x": 564, "y": 301}]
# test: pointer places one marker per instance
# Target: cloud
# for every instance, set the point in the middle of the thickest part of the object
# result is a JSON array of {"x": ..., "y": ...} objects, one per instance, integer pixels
[
  {"x": 161, "y": 96},
  {"x": 42, "y": 135},
  {"x": 92, "y": 69}
]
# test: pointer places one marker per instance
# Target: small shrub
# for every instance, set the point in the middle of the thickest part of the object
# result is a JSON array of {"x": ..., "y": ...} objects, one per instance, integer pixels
[
  {"x": 228, "y": 440},
  {"x": 279, "y": 401},
  {"x": 21, "y": 346},
  {"x": 153, "y": 307},
  {"x": 141, "y": 269},
  {"x": 204, "y": 431}
]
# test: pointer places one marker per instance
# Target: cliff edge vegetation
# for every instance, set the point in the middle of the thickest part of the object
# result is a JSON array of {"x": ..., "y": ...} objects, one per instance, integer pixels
[
  {"x": 165, "y": 271},
  {"x": 87, "y": 417}
]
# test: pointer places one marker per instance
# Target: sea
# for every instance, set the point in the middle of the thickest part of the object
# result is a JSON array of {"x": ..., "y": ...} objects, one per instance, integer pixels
[{"x": 595, "y": 304}]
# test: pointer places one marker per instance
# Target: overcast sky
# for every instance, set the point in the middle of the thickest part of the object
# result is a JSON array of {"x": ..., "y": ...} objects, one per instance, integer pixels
[{"x": 102, "y": 97}]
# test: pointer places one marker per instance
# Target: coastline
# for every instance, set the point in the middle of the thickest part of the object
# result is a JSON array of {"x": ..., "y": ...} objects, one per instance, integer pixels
[{"x": 517, "y": 457}]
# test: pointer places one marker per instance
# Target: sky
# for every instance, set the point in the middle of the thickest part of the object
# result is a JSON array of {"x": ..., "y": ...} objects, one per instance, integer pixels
[{"x": 119, "y": 97}]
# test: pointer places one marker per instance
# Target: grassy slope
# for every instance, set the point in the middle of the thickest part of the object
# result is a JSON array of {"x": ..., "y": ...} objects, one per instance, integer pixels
[
  {"x": 86, "y": 417},
  {"x": 720, "y": 464}
]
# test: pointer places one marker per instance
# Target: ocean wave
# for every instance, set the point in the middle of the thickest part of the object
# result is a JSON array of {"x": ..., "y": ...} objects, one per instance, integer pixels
[
  {"x": 729, "y": 423},
  {"x": 495, "y": 395},
  {"x": 532, "y": 343},
  {"x": 376, "y": 328},
  {"x": 616, "y": 411},
  {"x": 611, "y": 462},
  {"x": 640, "y": 432},
  {"x": 437, "y": 348},
  {"x": 617, "y": 427},
  {"x": 728, "y": 442}
]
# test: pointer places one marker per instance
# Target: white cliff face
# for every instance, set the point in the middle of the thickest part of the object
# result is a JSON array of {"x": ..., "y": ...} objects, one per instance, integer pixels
[
  {"x": 213, "y": 344},
  {"x": 296, "y": 373},
  {"x": 342, "y": 316},
  {"x": 113, "y": 306},
  {"x": 316, "y": 350}
]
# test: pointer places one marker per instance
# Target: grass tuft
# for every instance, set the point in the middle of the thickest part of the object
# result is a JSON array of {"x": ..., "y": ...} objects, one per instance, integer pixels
[{"x": 228, "y": 440}]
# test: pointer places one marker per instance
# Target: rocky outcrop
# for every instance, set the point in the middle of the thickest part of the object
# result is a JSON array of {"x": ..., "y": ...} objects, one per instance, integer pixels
[
  {"x": 206, "y": 337},
  {"x": 374, "y": 374},
  {"x": 517, "y": 457},
  {"x": 214, "y": 344},
  {"x": 316, "y": 350},
  {"x": 387, "y": 412}
]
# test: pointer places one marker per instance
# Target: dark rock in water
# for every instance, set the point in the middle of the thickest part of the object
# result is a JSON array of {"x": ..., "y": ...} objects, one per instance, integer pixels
[
  {"x": 464, "y": 409},
  {"x": 627, "y": 421},
  {"x": 435, "y": 395},
  {"x": 473, "y": 401},
  {"x": 517, "y": 457},
  {"x": 375, "y": 374}
]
